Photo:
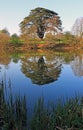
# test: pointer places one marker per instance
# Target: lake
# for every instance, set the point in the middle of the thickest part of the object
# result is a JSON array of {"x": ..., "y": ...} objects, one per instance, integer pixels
[{"x": 49, "y": 74}]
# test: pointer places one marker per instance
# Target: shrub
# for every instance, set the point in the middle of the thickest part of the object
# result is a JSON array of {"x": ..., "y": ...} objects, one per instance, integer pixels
[{"x": 15, "y": 39}]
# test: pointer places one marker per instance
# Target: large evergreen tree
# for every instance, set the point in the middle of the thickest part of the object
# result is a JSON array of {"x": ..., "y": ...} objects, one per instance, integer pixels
[{"x": 41, "y": 20}]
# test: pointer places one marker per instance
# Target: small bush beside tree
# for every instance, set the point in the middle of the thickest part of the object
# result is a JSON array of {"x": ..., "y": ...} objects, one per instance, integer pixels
[{"x": 15, "y": 39}]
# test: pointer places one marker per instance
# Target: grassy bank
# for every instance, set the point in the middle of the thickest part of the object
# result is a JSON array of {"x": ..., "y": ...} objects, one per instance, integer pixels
[{"x": 13, "y": 113}]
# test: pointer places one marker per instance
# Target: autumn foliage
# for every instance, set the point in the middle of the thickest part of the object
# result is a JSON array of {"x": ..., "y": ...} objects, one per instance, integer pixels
[{"x": 4, "y": 38}]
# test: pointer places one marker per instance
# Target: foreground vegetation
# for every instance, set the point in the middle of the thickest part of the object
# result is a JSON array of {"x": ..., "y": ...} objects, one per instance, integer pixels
[
  {"x": 12, "y": 111},
  {"x": 68, "y": 116},
  {"x": 61, "y": 116}
]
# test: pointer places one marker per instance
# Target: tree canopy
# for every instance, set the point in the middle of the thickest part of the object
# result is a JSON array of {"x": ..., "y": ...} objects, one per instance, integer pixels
[
  {"x": 41, "y": 20},
  {"x": 5, "y": 31}
]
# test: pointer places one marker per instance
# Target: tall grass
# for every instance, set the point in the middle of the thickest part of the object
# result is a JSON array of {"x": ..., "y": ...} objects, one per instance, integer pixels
[
  {"x": 68, "y": 116},
  {"x": 13, "y": 112}
]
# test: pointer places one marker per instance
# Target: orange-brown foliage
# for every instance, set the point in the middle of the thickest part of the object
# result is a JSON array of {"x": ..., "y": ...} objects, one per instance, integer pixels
[{"x": 4, "y": 38}]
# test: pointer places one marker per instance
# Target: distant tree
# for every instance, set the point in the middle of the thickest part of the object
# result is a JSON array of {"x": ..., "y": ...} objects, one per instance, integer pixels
[
  {"x": 68, "y": 37},
  {"x": 14, "y": 35},
  {"x": 4, "y": 36},
  {"x": 15, "y": 39},
  {"x": 41, "y": 20},
  {"x": 77, "y": 28},
  {"x": 5, "y": 31}
]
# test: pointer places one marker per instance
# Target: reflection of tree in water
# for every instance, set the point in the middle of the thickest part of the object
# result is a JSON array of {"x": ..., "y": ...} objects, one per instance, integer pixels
[
  {"x": 4, "y": 57},
  {"x": 41, "y": 71},
  {"x": 77, "y": 65},
  {"x": 0, "y": 68}
]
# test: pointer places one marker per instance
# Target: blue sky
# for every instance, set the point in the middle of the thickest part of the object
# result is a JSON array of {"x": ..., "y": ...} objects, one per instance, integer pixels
[{"x": 12, "y": 12}]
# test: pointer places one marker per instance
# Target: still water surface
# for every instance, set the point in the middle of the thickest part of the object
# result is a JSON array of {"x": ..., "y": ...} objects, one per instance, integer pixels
[{"x": 59, "y": 75}]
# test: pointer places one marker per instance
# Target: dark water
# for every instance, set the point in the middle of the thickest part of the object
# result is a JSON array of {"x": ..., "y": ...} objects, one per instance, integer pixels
[{"x": 59, "y": 75}]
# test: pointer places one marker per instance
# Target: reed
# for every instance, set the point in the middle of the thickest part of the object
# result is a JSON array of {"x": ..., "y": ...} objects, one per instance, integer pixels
[
  {"x": 67, "y": 116},
  {"x": 13, "y": 112}
]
